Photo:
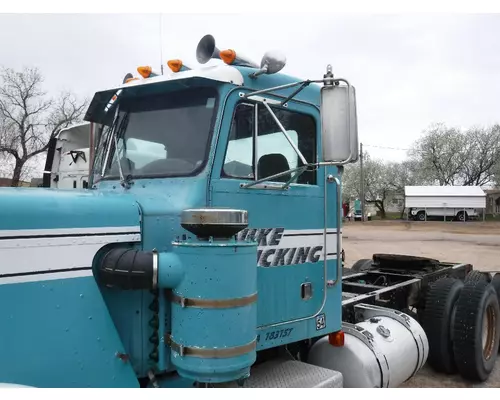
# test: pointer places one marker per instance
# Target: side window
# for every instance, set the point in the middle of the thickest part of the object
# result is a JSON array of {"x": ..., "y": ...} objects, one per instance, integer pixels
[
  {"x": 274, "y": 152},
  {"x": 239, "y": 153}
]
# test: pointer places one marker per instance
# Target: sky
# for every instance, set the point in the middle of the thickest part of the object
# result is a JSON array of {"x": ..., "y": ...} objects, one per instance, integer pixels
[{"x": 409, "y": 70}]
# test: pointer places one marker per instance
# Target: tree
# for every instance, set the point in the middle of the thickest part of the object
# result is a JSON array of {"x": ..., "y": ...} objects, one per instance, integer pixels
[
  {"x": 482, "y": 155},
  {"x": 401, "y": 174},
  {"x": 449, "y": 156},
  {"x": 29, "y": 119},
  {"x": 440, "y": 154},
  {"x": 383, "y": 180},
  {"x": 378, "y": 186}
]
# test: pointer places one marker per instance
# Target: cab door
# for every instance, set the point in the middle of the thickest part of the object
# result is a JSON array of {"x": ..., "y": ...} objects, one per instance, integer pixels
[{"x": 288, "y": 223}]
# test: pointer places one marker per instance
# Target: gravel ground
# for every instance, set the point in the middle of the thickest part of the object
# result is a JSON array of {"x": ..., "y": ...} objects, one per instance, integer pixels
[{"x": 476, "y": 243}]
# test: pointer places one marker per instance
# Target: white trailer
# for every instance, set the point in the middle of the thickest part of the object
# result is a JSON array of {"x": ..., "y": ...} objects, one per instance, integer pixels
[
  {"x": 68, "y": 158},
  {"x": 444, "y": 202}
]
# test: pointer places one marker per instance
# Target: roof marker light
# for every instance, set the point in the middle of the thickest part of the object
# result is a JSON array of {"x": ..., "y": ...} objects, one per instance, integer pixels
[
  {"x": 175, "y": 65},
  {"x": 228, "y": 56},
  {"x": 145, "y": 71},
  {"x": 131, "y": 79}
]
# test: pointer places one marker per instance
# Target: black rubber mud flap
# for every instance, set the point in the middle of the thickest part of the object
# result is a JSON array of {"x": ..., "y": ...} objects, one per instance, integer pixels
[
  {"x": 478, "y": 301},
  {"x": 476, "y": 275},
  {"x": 437, "y": 322},
  {"x": 364, "y": 264}
]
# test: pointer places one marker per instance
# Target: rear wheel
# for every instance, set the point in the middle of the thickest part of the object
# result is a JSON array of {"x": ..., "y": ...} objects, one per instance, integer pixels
[
  {"x": 421, "y": 216},
  {"x": 476, "y": 330},
  {"x": 437, "y": 322},
  {"x": 362, "y": 265},
  {"x": 462, "y": 216},
  {"x": 495, "y": 282},
  {"x": 476, "y": 276}
]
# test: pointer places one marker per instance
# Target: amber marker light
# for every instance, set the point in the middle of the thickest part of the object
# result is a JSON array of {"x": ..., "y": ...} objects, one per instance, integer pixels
[
  {"x": 174, "y": 65},
  {"x": 145, "y": 71},
  {"x": 336, "y": 338},
  {"x": 228, "y": 56},
  {"x": 131, "y": 79}
]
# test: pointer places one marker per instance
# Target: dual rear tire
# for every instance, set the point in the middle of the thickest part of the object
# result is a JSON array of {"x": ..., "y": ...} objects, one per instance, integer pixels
[{"x": 462, "y": 323}]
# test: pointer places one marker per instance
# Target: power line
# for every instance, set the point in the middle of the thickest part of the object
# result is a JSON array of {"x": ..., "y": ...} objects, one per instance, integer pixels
[
  {"x": 386, "y": 147},
  {"x": 397, "y": 148}
]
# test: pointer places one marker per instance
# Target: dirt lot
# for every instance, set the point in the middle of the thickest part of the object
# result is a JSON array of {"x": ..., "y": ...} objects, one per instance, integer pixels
[{"x": 476, "y": 243}]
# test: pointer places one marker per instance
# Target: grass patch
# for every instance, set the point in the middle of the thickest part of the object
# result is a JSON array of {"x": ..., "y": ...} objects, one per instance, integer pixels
[{"x": 491, "y": 217}]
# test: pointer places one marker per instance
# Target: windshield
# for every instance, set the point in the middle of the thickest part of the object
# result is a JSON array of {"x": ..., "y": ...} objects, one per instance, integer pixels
[{"x": 158, "y": 135}]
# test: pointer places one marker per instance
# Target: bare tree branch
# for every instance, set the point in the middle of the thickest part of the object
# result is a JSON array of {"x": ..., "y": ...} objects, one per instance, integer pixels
[
  {"x": 29, "y": 119},
  {"x": 449, "y": 156}
]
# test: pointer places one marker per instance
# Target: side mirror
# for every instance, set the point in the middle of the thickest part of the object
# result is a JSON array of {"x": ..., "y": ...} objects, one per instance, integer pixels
[{"x": 339, "y": 125}]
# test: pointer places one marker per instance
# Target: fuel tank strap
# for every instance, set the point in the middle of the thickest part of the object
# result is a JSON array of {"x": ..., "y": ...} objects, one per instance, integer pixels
[
  {"x": 207, "y": 303},
  {"x": 199, "y": 352}
]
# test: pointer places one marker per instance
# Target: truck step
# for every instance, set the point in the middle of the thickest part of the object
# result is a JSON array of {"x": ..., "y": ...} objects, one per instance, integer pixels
[{"x": 286, "y": 373}]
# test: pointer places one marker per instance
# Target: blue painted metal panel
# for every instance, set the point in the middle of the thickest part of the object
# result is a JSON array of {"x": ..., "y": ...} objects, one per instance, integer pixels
[
  {"x": 37, "y": 208},
  {"x": 59, "y": 334},
  {"x": 56, "y": 313}
]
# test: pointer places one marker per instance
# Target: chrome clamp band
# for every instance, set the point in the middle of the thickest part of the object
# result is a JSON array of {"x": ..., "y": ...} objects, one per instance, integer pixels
[
  {"x": 207, "y": 303},
  {"x": 210, "y": 353}
]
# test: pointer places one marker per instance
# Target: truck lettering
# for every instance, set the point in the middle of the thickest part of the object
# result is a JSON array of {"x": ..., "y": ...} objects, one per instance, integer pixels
[
  {"x": 264, "y": 260},
  {"x": 277, "y": 334},
  {"x": 290, "y": 258},
  {"x": 276, "y": 236},
  {"x": 302, "y": 255},
  {"x": 280, "y": 257},
  {"x": 315, "y": 254},
  {"x": 276, "y": 248},
  {"x": 262, "y": 236}
]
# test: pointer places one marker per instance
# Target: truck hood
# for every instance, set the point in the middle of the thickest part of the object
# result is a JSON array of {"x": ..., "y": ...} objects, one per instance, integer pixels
[{"x": 54, "y": 232}]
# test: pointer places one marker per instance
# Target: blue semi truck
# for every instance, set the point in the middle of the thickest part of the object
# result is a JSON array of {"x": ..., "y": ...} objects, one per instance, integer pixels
[{"x": 205, "y": 250}]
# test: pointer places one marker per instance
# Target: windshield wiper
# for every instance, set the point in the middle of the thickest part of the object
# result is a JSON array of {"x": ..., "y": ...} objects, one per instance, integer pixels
[{"x": 117, "y": 134}]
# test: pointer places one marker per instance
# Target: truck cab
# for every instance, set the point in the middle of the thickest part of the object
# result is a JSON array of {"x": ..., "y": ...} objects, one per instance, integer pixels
[
  {"x": 228, "y": 144},
  {"x": 67, "y": 164},
  {"x": 206, "y": 250}
]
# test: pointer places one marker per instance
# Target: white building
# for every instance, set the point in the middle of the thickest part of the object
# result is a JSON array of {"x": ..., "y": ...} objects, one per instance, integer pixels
[{"x": 444, "y": 202}]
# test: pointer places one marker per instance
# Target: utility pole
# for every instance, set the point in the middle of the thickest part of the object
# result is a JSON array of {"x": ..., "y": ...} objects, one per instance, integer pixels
[{"x": 362, "y": 189}]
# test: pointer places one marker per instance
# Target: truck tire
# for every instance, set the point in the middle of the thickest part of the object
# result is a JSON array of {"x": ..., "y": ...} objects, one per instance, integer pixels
[
  {"x": 476, "y": 330},
  {"x": 364, "y": 264},
  {"x": 420, "y": 216},
  {"x": 437, "y": 322},
  {"x": 476, "y": 276},
  {"x": 462, "y": 216},
  {"x": 495, "y": 282}
]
